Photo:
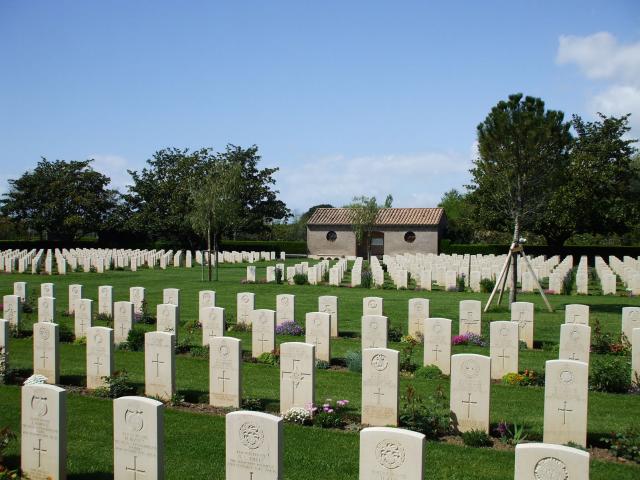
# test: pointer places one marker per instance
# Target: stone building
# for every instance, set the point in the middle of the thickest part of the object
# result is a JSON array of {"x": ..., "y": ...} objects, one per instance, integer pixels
[{"x": 397, "y": 230}]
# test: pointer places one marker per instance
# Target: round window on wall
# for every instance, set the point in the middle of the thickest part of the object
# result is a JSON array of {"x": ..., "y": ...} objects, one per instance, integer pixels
[
  {"x": 409, "y": 237},
  {"x": 331, "y": 236}
]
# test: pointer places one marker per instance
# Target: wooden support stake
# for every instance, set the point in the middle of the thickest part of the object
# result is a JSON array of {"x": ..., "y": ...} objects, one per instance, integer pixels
[
  {"x": 535, "y": 279},
  {"x": 495, "y": 288}
]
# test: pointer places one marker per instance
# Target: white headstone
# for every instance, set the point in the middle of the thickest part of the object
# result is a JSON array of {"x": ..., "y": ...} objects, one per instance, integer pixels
[
  {"x": 437, "y": 343},
  {"x": 254, "y": 446},
  {"x": 630, "y": 320},
  {"x": 168, "y": 318},
  {"x": 225, "y": 372},
  {"x": 470, "y": 317},
  {"x": 206, "y": 299},
  {"x": 391, "y": 453},
  {"x": 138, "y": 439},
  {"x": 285, "y": 308},
  {"x": 172, "y": 296},
  {"x": 99, "y": 356},
  {"x": 122, "y": 321},
  {"x": 374, "y": 331},
  {"x": 44, "y": 432},
  {"x": 470, "y": 391},
  {"x": 47, "y": 290},
  {"x": 20, "y": 289},
  {"x": 635, "y": 356},
  {"x": 137, "y": 297},
  {"x": 546, "y": 461},
  {"x": 380, "y": 378},
  {"x": 12, "y": 310},
  {"x": 577, "y": 314},
  {"x": 418, "y": 312},
  {"x": 46, "y": 351},
  {"x": 565, "y": 402},
  {"x": 159, "y": 365},
  {"x": 263, "y": 331},
  {"x": 522, "y": 312},
  {"x": 212, "y": 320},
  {"x": 75, "y": 294},
  {"x": 105, "y": 300},
  {"x": 575, "y": 342},
  {"x": 4, "y": 348},
  {"x": 372, "y": 306},
  {"x": 329, "y": 304},
  {"x": 503, "y": 347},
  {"x": 246, "y": 302},
  {"x": 83, "y": 317},
  {"x": 46, "y": 309},
  {"x": 318, "y": 333},
  {"x": 297, "y": 385}
]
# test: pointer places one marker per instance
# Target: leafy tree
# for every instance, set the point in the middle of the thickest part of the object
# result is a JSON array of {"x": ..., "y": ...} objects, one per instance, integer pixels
[
  {"x": 523, "y": 149},
  {"x": 596, "y": 191},
  {"x": 60, "y": 200},
  {"x": 260, "y": 203},
  {"x": 459, "y": 213},
  {"x": 364, "y": 212},
  {"x": 160, "y": 197},
  {"x": 216, "y": 204}
]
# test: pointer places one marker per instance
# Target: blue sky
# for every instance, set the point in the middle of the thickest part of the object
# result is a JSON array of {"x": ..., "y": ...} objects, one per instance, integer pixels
[{"x": 346, "y": 97}]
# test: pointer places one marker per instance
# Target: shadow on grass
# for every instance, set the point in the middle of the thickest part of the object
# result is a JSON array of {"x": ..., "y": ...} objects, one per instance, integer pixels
[
  {"x": 611, "y": 308},
  {"x": 76, "y": 380},
  {"x": 91, "y": 476}
]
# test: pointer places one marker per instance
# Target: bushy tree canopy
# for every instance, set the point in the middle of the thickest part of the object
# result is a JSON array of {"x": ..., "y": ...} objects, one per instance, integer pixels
[{"x": 60, "y": 200}]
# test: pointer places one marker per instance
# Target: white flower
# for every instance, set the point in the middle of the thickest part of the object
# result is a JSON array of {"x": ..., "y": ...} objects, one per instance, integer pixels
[{"x": 35, "y": 380}]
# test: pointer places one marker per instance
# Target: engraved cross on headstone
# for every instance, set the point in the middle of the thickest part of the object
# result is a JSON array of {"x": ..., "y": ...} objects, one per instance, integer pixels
[
  {"x": 296, "y": 376},
  {"x": 223, "y": 378},
  {"x": 436, "y": 350},
  {"x": 40, "y": 451},
  {"x": 135, "y": 469},
  {"x": 378, "y": 395},
  {"x": 469, "y": 320},
  {"x": 564, "y": 411},
  {"x": 468, "y": 402},
  {"x": 503, "y": 356},
  {"x": 44, "y": 359},
  {"x": 262, "y": 341},
  {"x": 98, "y": 364},
  {"x": 157, "y": 362}
]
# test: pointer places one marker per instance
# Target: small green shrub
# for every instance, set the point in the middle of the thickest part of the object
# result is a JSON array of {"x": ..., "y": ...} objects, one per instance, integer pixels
[
  {"x": 487, "y": 285},
  {"x": 394, "y": 334},
  {"x": 278, "y": 276},
  {"x": 429, "y": 372},
  {"x": 325, "y": 276},
  {"x": 118, "y": 385},
  {"x": 322, "y": 365},
  {"x": 431, "y": 417},
  {"x": 612, "y": 375},
  {"x": 199, "y": 351},
  {"x": 270, "y": 358},
  {"x": 135, "y": 340},
  {"x": 460, "y": 283},
  {"x": 353, "y": 359},
  {"x": 406, "y": 356},
  {"x": 476, "y": 438},
  {"x": 239, "y": 327},
  {"x": 524, "y": 379},
  {"x": 66, "y": 334},
  {"x": 625, "y": 444},
  {"x": 6, "y": 437},
  {"x": 366, "y": 279},
  {"x": 106, "y": 318},
  {"x": 300, "y": 279},
  {"x": 251, "y": 403}
]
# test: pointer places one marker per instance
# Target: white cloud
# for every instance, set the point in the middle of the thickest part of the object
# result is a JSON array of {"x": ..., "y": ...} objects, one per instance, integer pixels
[
  {"x": 601, "y": 57},
  {"x": 114, "y": 167},
  {"x": 414, "y": 180}
]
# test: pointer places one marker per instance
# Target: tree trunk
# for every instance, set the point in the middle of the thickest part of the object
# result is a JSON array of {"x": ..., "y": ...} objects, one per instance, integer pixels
[
  {"x": 209, "y": 251},
  {"x": 215, "y": 252},
  {"x": 513, "y": 293}
]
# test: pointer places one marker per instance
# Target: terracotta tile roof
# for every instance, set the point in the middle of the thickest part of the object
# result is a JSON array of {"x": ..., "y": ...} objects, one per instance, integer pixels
[{"x": 386, "y": 216}]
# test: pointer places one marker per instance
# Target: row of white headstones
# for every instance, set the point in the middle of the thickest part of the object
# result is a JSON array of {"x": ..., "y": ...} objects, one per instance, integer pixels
[
  {"x": 254, "y": 444},
  {"x": 104, "y": 259}
]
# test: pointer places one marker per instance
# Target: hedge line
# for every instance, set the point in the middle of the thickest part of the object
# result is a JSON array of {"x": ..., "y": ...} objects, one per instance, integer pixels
[
  {"x": 239, "y": 245},
  {"x": 575, "y": 250}
]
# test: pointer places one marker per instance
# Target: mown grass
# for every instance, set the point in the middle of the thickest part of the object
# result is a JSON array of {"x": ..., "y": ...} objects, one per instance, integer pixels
[{"x": 195, "y": 442}]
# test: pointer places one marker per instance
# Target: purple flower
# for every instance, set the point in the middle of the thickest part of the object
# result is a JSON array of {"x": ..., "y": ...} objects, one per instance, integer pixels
[
  {"x": 289, "y": 328},
  {"x": 469, "y": 339}
]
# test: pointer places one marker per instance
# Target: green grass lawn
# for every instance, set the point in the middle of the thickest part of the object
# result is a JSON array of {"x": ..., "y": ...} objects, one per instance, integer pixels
[{"x": 195, "y": 442}]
